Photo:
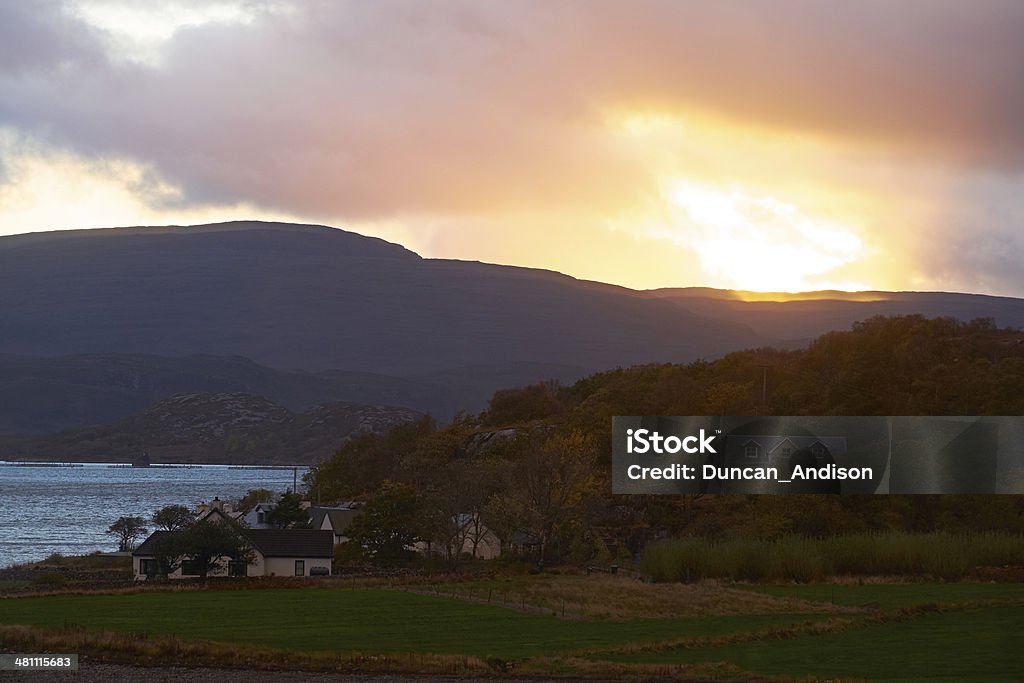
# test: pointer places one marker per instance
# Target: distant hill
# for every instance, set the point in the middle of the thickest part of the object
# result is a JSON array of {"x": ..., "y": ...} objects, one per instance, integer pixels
[
  {"x": 795, "y": 319},
  {"x": 213, "y": 428},
  {"x": 42, "y": 395},
  {"x": 98, "y": 324},
  {"x": 318, "y": 298}
]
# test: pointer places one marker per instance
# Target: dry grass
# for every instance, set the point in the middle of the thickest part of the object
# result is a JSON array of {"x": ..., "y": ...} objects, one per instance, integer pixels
[
  {"x": 141, "y": 650},
  {"x": 576, "y": 667},
  {"x": 605, "y": 597},
  {"x": 27, "y": 589}
]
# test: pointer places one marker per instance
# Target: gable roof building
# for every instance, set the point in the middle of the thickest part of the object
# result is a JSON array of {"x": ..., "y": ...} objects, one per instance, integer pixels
[
  {"x": 336, "y": 520},
  {"x": 278, "y": 552},
  {"x": 257, "y": 517}
]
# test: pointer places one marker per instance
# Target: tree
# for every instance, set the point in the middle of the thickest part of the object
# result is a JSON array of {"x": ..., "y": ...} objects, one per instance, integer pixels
[
  {"x": 363, "y": 463},
  {"x": 208, "y": 544},
  {"x": 127, "y": 530},
  {"x": 451, "y": 503},
  {"x": 387, "y": 526},
  {"x": 514, "y": 406},
  {"x": 172, "y": 517},
  {"x": 167, "y": 553},
  {"x": 288, "y": 513},
  {"x": 551, "y": 482}
]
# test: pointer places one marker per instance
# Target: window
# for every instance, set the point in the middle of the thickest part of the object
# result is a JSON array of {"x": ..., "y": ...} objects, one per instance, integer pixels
[
  {"x": 750, "y": 450},
  {"x": 189, "y": 568},
  {"x": 260, "y": 517},
  {"x": 787, "y": 451},
  {"x": 818, "y": 450},
  {"x": 300, "y": 567},
  {"x": 147, "y": 566},
  {"x": 236, "y": 568}
]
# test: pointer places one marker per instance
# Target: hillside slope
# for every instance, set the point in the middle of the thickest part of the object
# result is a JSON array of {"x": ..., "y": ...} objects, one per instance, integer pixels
[
  {"x": 41, "y": 395},
  {"x": 317, "y": 298},
  {"x": 213, "y": 428},
  {"x": 98, "y": 324}
]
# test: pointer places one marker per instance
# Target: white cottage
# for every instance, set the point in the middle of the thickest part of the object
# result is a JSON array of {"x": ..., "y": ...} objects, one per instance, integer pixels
[{"x": 278, "y": 552}]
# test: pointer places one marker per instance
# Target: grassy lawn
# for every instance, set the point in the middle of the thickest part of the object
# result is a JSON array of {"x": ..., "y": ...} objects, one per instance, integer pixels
[
  {"x": 954, "y": 645},
  {"x": 958, "y": 645},
  {"x": 368, "y": 621}
]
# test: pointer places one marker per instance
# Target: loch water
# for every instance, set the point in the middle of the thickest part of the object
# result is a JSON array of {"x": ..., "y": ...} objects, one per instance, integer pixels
[{"x": 67, "y": 509}]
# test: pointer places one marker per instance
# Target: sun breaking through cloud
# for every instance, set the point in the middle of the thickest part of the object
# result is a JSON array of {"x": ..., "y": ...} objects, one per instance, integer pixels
[{"x": 777, "y": 145}]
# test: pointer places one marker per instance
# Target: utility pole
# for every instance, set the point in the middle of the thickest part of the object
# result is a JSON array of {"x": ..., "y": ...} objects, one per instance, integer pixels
[{"x": 764, "y": 389}]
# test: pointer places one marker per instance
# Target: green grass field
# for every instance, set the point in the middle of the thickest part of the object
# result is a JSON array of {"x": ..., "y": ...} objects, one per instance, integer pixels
[
  {"x": 960, "y": 645},
  {"x": 976, "y": 632},
  {"x": 367, "y": 621}
]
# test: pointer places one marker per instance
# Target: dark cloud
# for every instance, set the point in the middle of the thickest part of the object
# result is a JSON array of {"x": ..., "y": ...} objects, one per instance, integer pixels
[
  {"x": 976, "y": 241},
  {"x": 37, "y": 38},
  {"x": 932, "y": 78},
  {"x": 460, "y": 111},
  {"x": 367, "y": 109}
]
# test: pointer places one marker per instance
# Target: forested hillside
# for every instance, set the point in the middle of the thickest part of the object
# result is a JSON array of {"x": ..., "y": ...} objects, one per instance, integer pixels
[{"x": 535, "y": 466}]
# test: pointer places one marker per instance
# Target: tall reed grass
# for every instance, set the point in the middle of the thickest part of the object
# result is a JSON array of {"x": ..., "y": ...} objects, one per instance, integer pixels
[{"x": 798, "y": 558}]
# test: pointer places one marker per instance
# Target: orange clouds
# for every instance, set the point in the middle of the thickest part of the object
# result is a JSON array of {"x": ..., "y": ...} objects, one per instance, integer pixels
[{"x": 551, "y": 134}]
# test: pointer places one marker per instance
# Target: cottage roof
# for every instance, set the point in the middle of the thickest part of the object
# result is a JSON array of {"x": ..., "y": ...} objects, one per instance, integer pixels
[
  {"x": 227, "y": 516},
  {"x": 340, "y": 519},
  {"x": 292, "y": 542},
  {"x": 149, "y": 546},
  {"x": 270, "y": 542}
]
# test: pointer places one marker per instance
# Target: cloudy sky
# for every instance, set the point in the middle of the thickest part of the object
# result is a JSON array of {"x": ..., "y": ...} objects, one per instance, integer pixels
[{"x": 770, "y": 145}]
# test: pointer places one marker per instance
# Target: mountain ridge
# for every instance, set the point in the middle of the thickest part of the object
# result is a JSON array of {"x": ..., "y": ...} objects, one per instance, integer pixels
[
  {"x": 98, "y": 324},
  {"x": 320, "y": 298}
]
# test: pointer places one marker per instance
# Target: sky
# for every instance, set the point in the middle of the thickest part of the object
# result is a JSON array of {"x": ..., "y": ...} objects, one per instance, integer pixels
[{"x": 772, "y": 145}]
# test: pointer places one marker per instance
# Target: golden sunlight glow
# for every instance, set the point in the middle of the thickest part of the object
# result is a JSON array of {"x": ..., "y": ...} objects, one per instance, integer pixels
[
  {"x": 757, "y": 242},
  {"x": 754, "y": 209}
]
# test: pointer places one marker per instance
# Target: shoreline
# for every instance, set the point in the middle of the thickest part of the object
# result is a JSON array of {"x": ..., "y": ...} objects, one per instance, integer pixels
[{"x": 156, "y": 465}]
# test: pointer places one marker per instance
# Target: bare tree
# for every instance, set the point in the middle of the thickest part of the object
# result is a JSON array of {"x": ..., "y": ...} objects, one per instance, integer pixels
[{"x": 127, "y": 530}]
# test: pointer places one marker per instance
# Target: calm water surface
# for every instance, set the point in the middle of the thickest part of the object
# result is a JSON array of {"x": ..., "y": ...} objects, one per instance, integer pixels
[{"x": 45, "y": 510}]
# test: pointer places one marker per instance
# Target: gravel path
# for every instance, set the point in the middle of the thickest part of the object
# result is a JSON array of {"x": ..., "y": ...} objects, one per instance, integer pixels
[{"x": 117, "y": 673}]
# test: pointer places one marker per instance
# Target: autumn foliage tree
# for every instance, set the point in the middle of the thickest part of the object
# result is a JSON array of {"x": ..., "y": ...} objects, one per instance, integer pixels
[
  {"x": 549, "y": 483},
  {"x": 535, "y": 466}
]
